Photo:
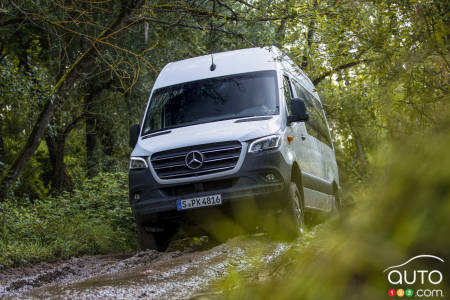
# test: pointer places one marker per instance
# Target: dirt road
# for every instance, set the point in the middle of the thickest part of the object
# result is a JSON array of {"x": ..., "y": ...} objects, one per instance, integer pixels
[{"x": 147, "y": 274}]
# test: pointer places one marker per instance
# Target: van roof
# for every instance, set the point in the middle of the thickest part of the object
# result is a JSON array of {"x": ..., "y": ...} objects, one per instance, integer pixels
[{"x": 228, "y": 63}]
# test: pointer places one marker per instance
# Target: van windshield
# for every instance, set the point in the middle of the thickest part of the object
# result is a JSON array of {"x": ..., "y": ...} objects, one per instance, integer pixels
[{"x": 212, "y": 99}]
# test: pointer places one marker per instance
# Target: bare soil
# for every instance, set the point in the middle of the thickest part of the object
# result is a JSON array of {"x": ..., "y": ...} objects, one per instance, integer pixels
[{"x": 146, "y": 275}]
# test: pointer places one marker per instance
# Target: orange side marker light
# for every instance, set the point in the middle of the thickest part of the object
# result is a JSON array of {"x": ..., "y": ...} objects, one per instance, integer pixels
[{"x": 290, "y": 138}]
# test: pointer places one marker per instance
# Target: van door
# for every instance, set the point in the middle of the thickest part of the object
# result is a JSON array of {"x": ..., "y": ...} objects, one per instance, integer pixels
[
  {"x": 325, "y": 145},
  {"x": 304, "y": 147},
  {"x": 318, "y": 186}
]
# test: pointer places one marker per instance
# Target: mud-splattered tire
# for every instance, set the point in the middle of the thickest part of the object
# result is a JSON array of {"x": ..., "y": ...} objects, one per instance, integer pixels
[
  {"x": 291, "y": 221},
  {"x": 147, "y": 240},
  {"x": 156, "y": 240}
]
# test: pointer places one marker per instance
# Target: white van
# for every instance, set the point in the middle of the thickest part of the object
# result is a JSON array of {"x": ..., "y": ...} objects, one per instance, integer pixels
[{"x": 224, "y": 127}]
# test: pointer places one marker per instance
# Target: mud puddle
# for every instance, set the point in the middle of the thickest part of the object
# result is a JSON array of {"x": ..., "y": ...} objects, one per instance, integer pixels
[{"x": 145, "y": 275}]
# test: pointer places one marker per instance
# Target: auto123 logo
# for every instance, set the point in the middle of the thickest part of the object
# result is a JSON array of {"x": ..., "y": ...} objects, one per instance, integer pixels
[{"x": 418, "y": 277}]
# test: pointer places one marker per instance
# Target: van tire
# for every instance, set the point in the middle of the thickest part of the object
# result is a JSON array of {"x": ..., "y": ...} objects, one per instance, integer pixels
[
  {"x": 291, "y": 221},
  {"x": 147, "y": 240}
]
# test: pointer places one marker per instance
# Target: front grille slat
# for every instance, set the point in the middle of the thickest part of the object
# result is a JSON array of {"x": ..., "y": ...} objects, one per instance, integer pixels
[
  {"x": 218, "y": 157},
  {"x": 194, "y": 173},
  {"x": 224, "y": 149},
  {"x": 197, "y": 173},
  {"x": 168, "y": 157},
  {"x": 221, "y": 158},
  {"x": 169, "y": 166}
]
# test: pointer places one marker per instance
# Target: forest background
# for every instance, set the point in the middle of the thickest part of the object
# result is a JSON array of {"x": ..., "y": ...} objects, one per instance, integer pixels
[{"x": 76, "y": 74}]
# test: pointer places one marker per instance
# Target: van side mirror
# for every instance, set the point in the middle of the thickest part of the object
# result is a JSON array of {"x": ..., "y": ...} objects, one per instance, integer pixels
[
  {"x": 134, "y": 134},
  {"x": 299, "y": 113}
]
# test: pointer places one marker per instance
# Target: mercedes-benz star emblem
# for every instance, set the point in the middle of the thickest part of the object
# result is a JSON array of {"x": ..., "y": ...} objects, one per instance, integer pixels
[{"x": 194, "y": 160}]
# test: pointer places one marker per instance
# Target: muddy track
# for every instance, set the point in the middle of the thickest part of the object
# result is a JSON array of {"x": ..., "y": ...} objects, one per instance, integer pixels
[{"x": 144, "y": 275}]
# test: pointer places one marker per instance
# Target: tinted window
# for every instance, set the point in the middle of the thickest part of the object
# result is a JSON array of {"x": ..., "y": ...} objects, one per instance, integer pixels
[
  {"x": 299, "y": 90},
  {"x": 316, "y": 125},
  {"x": 287, "y": 93},
  {"x": 213, "y": 99},
  {"x": 324, "y": 133}
]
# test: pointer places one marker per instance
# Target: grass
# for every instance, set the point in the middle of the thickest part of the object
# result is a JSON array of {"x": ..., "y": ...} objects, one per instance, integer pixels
[
  {"x": 404, "y": 212},
  {"x": 92, "y": 220}
]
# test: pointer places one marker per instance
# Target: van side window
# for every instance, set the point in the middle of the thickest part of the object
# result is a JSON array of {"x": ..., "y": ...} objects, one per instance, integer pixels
[
  {"x": 287, "y": 93},
  {"x": 316, "y": 125},
  {"x": 299, "y": 90},
  {"x": 324, "y": 133}
]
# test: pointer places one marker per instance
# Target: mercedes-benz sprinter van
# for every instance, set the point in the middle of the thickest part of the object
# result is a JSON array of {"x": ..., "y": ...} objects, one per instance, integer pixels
[{"x": 227, "y": 127}]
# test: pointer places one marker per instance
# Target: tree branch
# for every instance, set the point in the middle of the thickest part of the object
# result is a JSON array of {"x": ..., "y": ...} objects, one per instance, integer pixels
[
  {"x": 229, "y": 8},
  {"x": 245, "y": 3},
  {"x": 170, "y": 24},
  {"x": 321, "y": 77},
  {"x": 309, "y": 36},
  {"x": 10, "y": 175}
]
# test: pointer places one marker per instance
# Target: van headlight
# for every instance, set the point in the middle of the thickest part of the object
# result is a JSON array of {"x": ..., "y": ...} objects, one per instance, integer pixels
[
  {"x": 138, "y": 163},
  {"x": 265, "y": 143}
]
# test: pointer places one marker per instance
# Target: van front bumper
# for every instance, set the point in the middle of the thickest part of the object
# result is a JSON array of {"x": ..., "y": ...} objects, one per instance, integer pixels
[{"x": 151, "y": 200}]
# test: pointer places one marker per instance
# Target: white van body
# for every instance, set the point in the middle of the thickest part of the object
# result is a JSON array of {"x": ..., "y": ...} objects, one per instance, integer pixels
[{"x": 304, "y": 147}]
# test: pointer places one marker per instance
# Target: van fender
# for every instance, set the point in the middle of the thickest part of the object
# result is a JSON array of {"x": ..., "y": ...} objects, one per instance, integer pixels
[{"x": 317, "y": 194}]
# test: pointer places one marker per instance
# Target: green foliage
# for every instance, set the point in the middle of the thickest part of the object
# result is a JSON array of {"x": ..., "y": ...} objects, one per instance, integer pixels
[
  {"x": 403, "y": 213},
  {"x": 91, "y": 220},
  {"x": 382, "y": 68}
]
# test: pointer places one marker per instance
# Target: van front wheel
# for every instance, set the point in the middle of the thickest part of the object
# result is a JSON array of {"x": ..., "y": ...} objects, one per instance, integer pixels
[
  {"x": 292, "y": 219},
  {"x": 147, "y": 240}
]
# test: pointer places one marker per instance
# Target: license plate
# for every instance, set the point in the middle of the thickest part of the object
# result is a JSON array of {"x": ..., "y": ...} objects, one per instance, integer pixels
[{"x": 199, "y": 202}]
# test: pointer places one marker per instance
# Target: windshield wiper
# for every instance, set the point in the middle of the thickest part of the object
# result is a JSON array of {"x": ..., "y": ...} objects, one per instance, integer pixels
[
  {"x": 253, "y": 118},
  {"x": 204, "y": 121}
]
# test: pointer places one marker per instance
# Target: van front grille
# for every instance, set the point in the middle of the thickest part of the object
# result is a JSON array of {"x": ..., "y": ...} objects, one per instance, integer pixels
[{"x": 217, "y": 157}]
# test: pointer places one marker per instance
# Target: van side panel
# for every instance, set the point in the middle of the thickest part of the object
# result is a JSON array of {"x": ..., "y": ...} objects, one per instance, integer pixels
[{"x": 316, "y": 159}]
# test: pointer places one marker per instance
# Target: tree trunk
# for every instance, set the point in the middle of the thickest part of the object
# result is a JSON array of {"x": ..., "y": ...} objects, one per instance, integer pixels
[
  {"x": 91, "y": 136},
  {"x": 106, "y": 139},
  {"x": 309, "y": 36},
  {"x": 60, "y": 179},
  {"x": 91, "y": 113},
  {"x": 2, "y": 150},
  {"x": 109, "y": 163},
  {"x": 359, "y": 148},
  {"x": 10, "y": 175},
  {"x": 84, "y": 61}
]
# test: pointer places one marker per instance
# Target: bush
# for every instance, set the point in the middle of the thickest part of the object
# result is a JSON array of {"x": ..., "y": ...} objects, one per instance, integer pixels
[
  {"x": 92, "y": 220},
  {"x": 403, "y": 213}
]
